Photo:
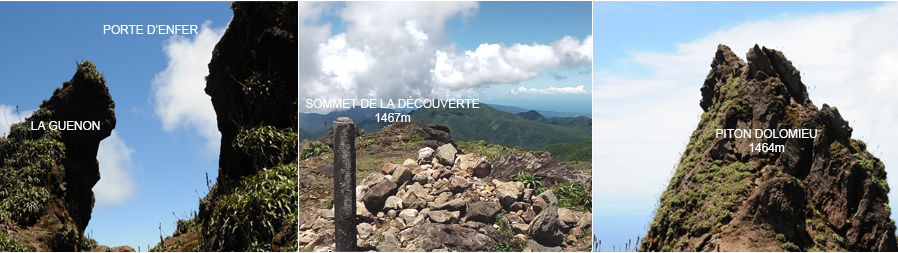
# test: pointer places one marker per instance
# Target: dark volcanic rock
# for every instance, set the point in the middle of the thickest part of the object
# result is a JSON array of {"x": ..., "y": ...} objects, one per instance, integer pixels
[
  {"x": 61, "y": 177},
  {"x": 452, "y": 205},
  {"x": 252, "y": 84},
  {"x": 545, "y": 228},
  {"x": 536, "y": 247},
  {"x": 484, "y": 212},
  {"x": 325, "y": 169},
  {"x": 256, "y": 54},
  {"x": 432, "y": 135},
  {"x": 85, "y": 97},
  {"x": 378, "y": 194},
  {"x": 826, "y": 192},
  {"x": 450, "y": 236},
  {"x": 539, "y": 163}
]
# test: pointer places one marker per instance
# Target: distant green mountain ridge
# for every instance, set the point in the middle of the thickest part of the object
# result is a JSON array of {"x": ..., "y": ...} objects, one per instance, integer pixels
[
  {"x": 563, "y": 121},
  {"x": 578, "y": 151},
  {"x": 500, "y": 127},
  {"x": 529, "y": 129}
]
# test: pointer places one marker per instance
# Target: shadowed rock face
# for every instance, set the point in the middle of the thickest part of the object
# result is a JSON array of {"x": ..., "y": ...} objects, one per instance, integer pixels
[
  {"x": 84, "y": 98},
  {"x": 60, "y": 166},
  {"x": 252, "y": 82},
  {"x": 823, "y": 193},
  {"x": 252, "y": 77}
]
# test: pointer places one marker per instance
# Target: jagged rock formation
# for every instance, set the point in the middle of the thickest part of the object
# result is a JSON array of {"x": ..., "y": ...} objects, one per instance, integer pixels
[
  {"x": 825, "y": 193},
  {"x": 46, "y": 176},
  {"x": 444, "y": 200},
  {"x": 253, "y": 86}
]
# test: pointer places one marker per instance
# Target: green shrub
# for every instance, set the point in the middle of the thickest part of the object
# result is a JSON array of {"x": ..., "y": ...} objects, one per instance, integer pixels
[
  {"x": 791, "y": 247},
  {"x": 574, "y": 196},
  {"x": 414, "y": 138},
  {"x": 508, "y": 243},
  {"x": 25, "y": 163},
  {"x": 88, "y": 243},
  {"x": 531, "y": 181},
  {"x": 9, "y": 244},
  {"x": 267, "y": 145},
  {"x": 315, "y": 148},
  {"x": 260, "y": 206},
  {"x": 839, "y": 239},
  {"x": 262, "y": 93},
  {"x": 820, "y": 226},
  {"x": 369, "y": 143},
  {"x": 516, "y": 245},
  {"x": 781, "y": 237},
  {"x": 820, "y": 239},
  {"x": 65, "y": 238}
]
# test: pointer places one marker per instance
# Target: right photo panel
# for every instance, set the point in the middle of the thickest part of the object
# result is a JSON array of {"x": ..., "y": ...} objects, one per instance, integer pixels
[{"x": 744, "y": 126}]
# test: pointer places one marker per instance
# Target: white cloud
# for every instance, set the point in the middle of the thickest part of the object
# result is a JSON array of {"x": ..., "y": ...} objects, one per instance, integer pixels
[
  {"x": 116, "y": 181},
  {"x": 848, "y": 60},
  {"x": 551, "y": 90},
  {"x": 9, "y": 116},
  {"x": 493, "y": 63},
  {"x": 396, "y": 50},
  {"x": 181, "y": 101}
]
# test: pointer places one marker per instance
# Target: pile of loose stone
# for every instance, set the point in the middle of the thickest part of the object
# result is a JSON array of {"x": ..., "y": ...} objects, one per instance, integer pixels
[{"x": 443, "y": 201}]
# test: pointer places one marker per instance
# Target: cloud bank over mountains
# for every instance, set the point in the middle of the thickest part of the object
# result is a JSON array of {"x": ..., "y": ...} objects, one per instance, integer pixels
[{"x": 396, "y": 50}]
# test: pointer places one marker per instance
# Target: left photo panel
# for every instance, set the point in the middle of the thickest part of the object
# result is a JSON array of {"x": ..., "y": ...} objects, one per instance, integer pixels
[{"x": 149, "y": 126}]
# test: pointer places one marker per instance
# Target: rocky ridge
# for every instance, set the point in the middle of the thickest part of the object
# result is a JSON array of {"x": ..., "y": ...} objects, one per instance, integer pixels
[
  {"x": 444, "y": 200},
  {"x": 820, "y": 194}
]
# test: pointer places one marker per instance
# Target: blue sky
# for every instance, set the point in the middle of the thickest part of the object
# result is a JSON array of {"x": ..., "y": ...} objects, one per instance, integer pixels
[
  {"x": 373, "y": 69},
  {"x": 652, "y": 57},
  {"x": 44, "y": 40},
  {"x": 527, "y": 23}
]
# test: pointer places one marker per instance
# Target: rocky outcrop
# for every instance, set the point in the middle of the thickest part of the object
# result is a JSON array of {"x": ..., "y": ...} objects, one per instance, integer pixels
[
  {"x": 443, "y": 236},
  {"x": 821, "y": 193},
  {"x": 252, "y": 77},
  {"x": 252, "y": 84},
  {"x": 431, "y": 135},
  {"x": 83, "y": 98},
  {"x": 47, "y": 175},
  {"x": 538, "y": 163},
  {"x": 443, "y": 204}
]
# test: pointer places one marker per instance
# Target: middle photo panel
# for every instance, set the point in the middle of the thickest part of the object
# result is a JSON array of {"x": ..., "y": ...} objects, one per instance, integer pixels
[{"x": 459, "y": 126}]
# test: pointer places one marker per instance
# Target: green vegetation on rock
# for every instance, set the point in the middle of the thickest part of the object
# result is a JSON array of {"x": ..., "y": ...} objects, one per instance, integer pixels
[
  {"x": 315, "y": 148},
  {"x": 258, "y": 211},
  {"x": 268, "y": 145},
  {"x": 260, "y": 207},
  {"x": 507, "y": 242},
  {"x": 490, "y": 151},
  {"x": 578, "y": 151},
  {"x": 529, "y": 180},
  {"x": 573, "y": 195},
  {"x": 25, "y": 162},
  {"x": 8, "y": 244}
]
